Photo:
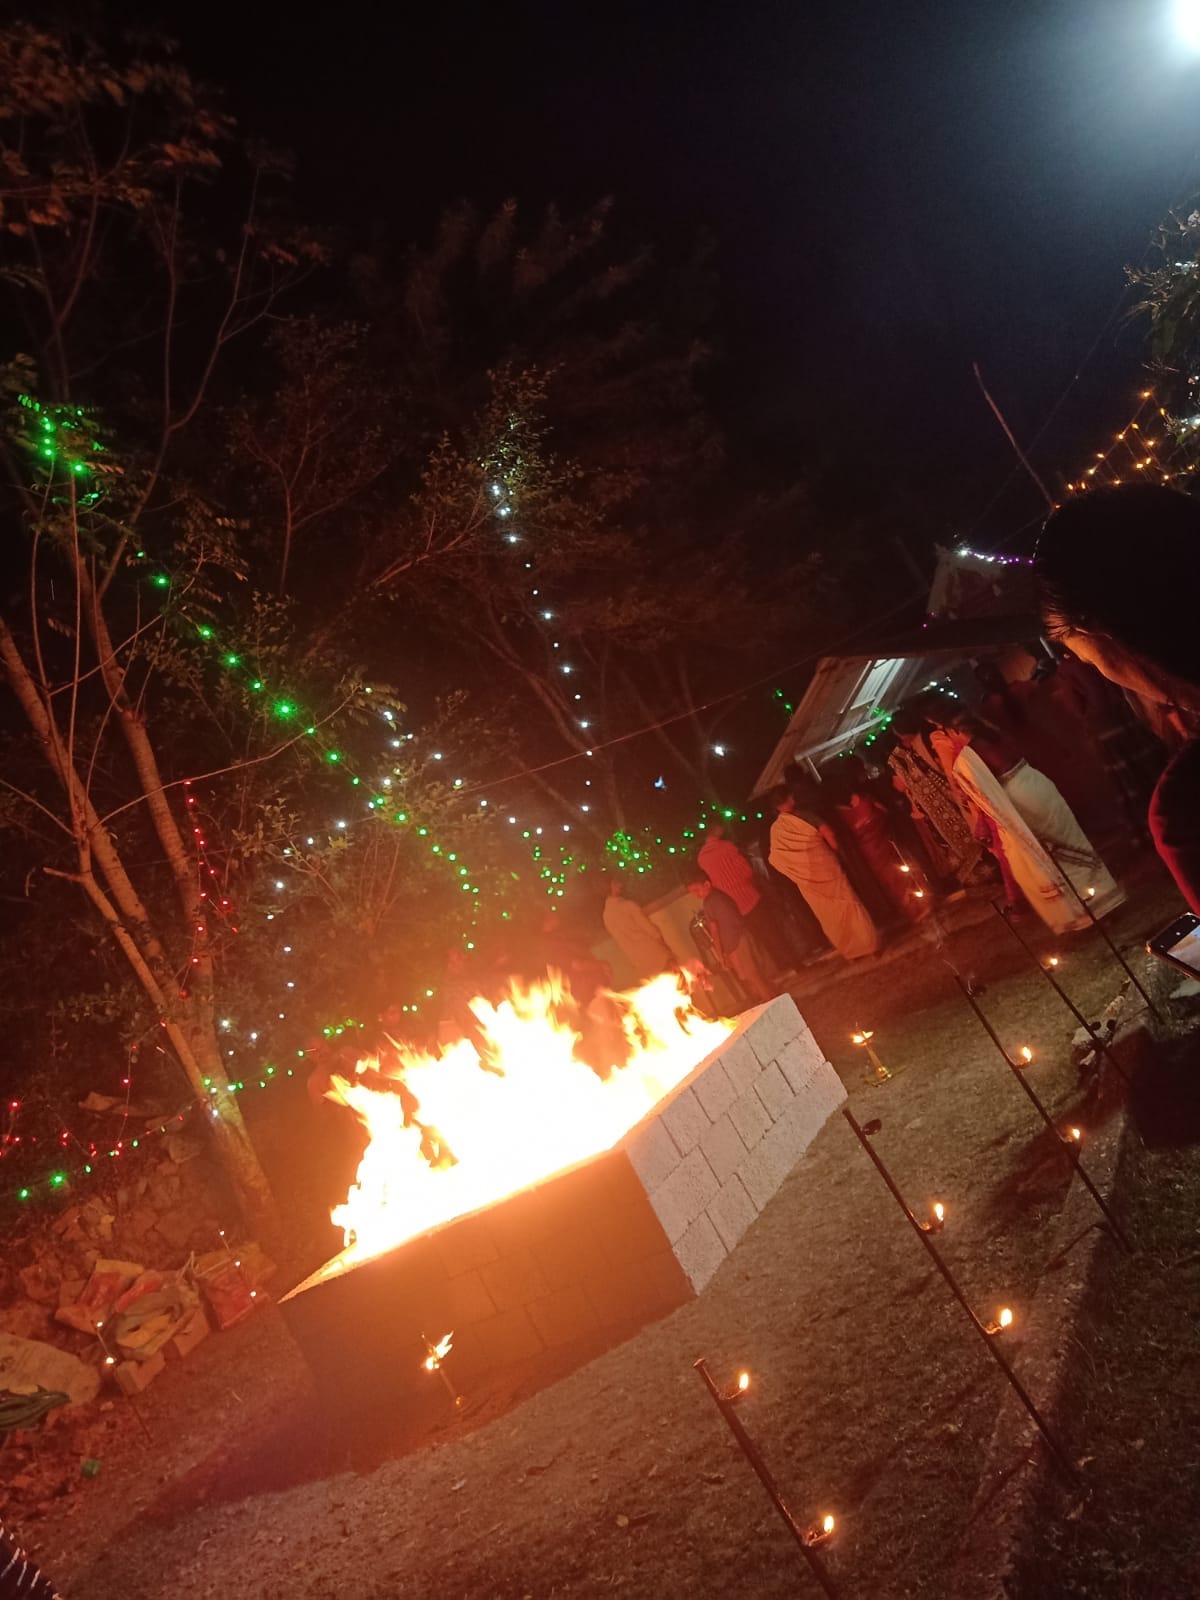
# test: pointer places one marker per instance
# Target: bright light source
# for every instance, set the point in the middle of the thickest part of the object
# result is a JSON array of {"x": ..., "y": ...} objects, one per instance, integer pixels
[{"x": 1187, "y": 22}]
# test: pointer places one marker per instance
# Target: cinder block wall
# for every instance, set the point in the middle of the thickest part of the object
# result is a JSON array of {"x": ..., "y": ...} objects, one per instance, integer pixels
[
  {"x": 714, "y": 1152},
  {"x": 594, "y": 1253}
]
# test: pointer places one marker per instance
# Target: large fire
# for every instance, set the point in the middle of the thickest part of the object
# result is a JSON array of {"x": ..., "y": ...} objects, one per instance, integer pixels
[{"x": 454, "y": 1133}]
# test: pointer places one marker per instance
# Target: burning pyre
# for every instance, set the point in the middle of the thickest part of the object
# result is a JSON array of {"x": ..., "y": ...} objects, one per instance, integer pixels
[{"x": 456, "y": 1132}]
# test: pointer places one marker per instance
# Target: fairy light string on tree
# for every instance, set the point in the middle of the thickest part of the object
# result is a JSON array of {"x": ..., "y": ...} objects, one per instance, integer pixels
[
  {"x": 1147, "y": 447},
  {"x": 286, "y": 708}
]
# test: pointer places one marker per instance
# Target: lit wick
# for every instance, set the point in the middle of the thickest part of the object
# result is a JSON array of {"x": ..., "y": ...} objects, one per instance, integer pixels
[
  {"x": 435, "y": 1356},
  {"x": 738, "y": 1394},
  {"x": 821, "y": 1531},
  {"x": 1003, "y": 1321},
  {"x": 937, "y": 1221},
  {"x": 1026, "y": 1054}
]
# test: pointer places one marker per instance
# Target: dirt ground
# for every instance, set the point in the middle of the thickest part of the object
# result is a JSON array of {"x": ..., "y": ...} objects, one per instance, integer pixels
[
  {"x": 870, "y": 1397},
  {"x": 1132, "y": 1403}
]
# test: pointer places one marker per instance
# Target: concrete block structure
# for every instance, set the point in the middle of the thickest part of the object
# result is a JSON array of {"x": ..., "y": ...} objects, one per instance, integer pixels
[{"x": 585, "y": 1258}]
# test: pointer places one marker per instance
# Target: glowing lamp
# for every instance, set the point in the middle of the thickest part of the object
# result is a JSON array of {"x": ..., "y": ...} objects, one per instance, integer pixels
[
  {"x": 1187, "y": 23},
  {"x": 821, "y": 1531}
]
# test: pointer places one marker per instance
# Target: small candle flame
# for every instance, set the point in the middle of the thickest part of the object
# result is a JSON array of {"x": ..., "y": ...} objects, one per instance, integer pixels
[
  {"x": 1091, "y": 894},
  {"x": 861, "y": 1038},
  {"x": 743, "y": 1382},
  {"x": 1075, "y": 1134},
  {"x": 918, "y": 894},
  {"x": 1026, "y": 1053},
  {"x": 939, "y": 1211},
  {"x": 1006, "y": 1317},
  {"x": 904, "y": 867},
  {"x": 1052, "y": 961},
  {"x": 827, "y": 1523},
  {"x": 437, "y": 1352}
]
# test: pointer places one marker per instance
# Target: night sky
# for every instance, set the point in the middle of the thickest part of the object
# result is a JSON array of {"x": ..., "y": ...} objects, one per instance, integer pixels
[{"x": 894, "y": 191}]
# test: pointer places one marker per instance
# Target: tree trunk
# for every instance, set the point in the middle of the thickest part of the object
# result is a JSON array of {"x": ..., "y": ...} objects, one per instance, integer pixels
[{"x": 123, "y": 912}]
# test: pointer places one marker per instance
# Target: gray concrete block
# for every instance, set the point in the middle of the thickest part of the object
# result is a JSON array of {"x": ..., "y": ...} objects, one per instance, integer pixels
[{"x": 731, "y": 1211}]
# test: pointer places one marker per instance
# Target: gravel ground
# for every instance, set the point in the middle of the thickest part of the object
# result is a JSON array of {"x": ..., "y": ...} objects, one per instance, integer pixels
[{"x": 870, "y": 1396}]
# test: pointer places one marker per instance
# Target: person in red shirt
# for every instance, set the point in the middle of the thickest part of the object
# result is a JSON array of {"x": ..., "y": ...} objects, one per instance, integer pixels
[
  {"x": 1117, "y": 568},
  {"x": 728, "y": 870}
]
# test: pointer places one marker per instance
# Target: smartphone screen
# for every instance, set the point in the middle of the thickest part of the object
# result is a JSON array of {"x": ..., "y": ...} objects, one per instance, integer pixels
[
  {"x": 1187, "y": 950},
  {"x": 1179, "y": 944}
]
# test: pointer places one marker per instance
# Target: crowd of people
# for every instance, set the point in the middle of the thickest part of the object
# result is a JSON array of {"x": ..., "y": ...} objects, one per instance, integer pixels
[{"x": 1006, "y": 788}]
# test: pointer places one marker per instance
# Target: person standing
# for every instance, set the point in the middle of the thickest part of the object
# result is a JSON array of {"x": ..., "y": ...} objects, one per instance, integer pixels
[
  {"x": 731, "y": 942},
  {"x": 865, "y": 818},
  {"x": 1131, "y": 756},
  {"x": 728, "y": 870},
  {"x": 1116, "y": 570},
  {"x": 804, "y": 849},
  {"x": 918, "y": 773},
  {"x": 1034, "y": 820},
  {"x": 634, "y": 934}
]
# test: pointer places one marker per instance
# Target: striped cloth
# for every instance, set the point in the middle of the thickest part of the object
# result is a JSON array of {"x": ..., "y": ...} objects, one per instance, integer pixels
[
  {"x": 19, "y": 1578},
  {"x": 727, "y": 869}
]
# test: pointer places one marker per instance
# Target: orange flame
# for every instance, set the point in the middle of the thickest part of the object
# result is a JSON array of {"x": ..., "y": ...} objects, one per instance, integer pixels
[
  {"x": 481, "y": 1133},
  {"x": 438, "y": 1352}
]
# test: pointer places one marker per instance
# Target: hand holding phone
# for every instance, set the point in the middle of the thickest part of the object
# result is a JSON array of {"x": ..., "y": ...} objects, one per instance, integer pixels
[{"x": 1179, "y": 944}]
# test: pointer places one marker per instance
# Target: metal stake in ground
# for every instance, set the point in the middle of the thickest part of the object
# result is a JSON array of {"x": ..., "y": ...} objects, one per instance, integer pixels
[
  {"x": 986, "y": 1332},
  {"x": 807, "y": 1538},
  {"x": 1093, "y": 1033},
  {"x": 1071, "y": 1142},
  {"x": 1085, "y": 902}
]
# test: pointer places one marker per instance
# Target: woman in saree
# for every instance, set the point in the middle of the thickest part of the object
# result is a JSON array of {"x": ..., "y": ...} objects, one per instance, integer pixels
[
  {"x": 1047, "y": 851},
  {"x": 804, "y": 849},
  {"x": 868, "y": 822}
]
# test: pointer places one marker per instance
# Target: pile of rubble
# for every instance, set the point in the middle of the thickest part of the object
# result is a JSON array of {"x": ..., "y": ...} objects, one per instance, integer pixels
[{"x": 95, "y": 1301}]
